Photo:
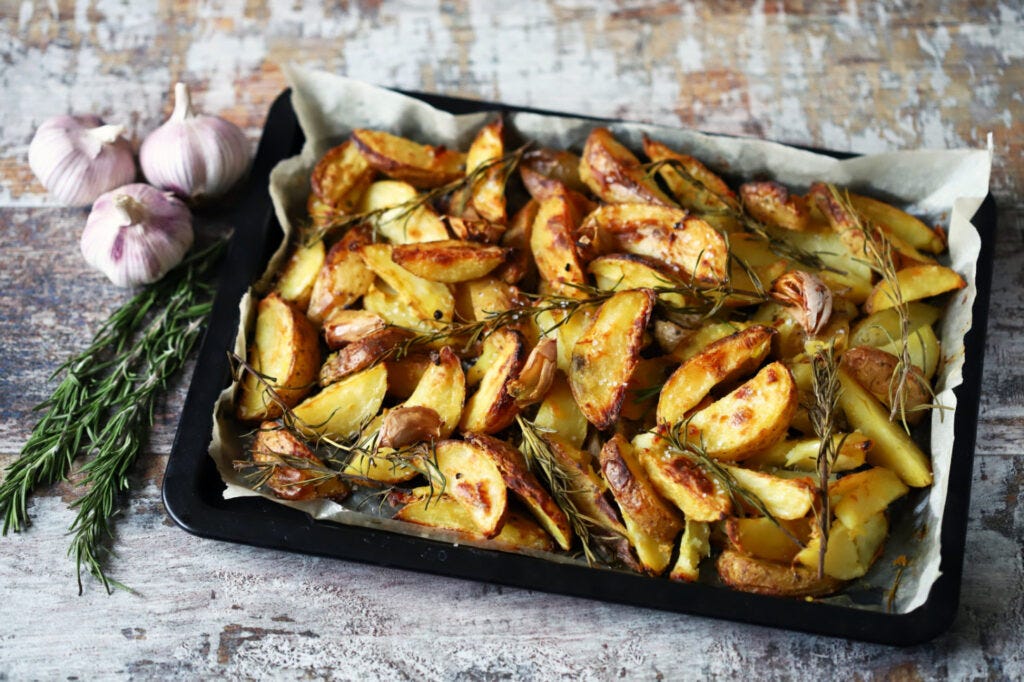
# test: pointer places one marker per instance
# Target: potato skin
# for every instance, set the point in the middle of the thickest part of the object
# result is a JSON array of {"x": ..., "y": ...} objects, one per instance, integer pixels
[
  {"x": 343, "y": 277},
  {"x": 634, "y": 492},
  {"x": 340, "y": 178},
  {"x": 613, "y": 173},
  {"x": 873, "y": 369},
  {"x": 750, "y": 574},
  {"x": 420, "y": 165},
  {"x": 449, "y": 261}
]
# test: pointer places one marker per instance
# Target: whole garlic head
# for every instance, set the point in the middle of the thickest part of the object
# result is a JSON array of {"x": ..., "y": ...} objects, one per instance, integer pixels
[
  {"x": 136, "y": 233},
  {"x": 194, "y": 156},
  {"x": 77, "y": 158}
]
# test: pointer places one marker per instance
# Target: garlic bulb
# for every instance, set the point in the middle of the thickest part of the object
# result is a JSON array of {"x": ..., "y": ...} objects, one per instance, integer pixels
[
  {"x": 192, "y": 155},
  {"x": 136, "y": 233},
  {"x": 77, "y": 158}
]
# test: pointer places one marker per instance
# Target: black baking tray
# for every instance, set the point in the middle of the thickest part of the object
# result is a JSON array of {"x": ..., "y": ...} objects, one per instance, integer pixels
[{"x": 192, "y": 489}]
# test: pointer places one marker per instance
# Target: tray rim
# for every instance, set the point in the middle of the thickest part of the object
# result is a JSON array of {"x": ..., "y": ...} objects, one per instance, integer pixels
[{"x": 258, "y": 522}]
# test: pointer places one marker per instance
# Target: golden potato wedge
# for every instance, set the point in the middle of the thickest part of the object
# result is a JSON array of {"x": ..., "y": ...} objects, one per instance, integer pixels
[
  {"x": 286, "y": 352},
  {"x": 759, "y": 537},
  {"x": 750, "y": 574},
  {"x": 430, "y": 300},
  {"x": 343, "y": 278},
  {"x": 651, "y": 525},
  {"x": 340, "y": 178},
  {"x": 857, "y": 497},
  {"x": 405, "y": 373},
  {"x": 850, "y": 275},
  {"x": 724, "y": 360},
  {"x": 697, "y": 188},
  {"x": 296, "y": 281},
  {"x": 543, "y": 166},
  {"x": 605, "y": 355},
  {"x": 882, "y": 330},
  {"x": 382, "y": 466},
  {"x": 587, "y": 491},
  {"x": 275, "y": 445},
  {"x": 449, "y": 260},
  {"x": 641, "y": 392},
  {"x": 620, "y": 271},
  {"x": 772, "y": 204},
  {"x": 519, "y": 263},
  {"x": 474, "y": 480},
  {"x": 551, "y": 242},
  {"x": 802, "y": 455},
  {"x": 678, "y": 479},
  {"x": 559, "y": 413},
  {"x": 567, "y": 329},
  {"x": 492, "y": 408},
  {"x": 698, "y": 339},
  {"x": 785, "y": 498},
  {"x": 899, "y": 224},
  {"x": 915, "y": 283},
  {"x": 488, "y": 193},
  {"x": 420, "y": 165},
  {"x": 874, "y": 369},
  {"x": 383, "y": 301},
  {"x": 753, "y": 417},
  {"x": 693, "y": 547},
  {"x": 345, "y": 325},
  {"x": 614, "y": 174},
  {"x": 893, "y": 448},
  {"x": 850, "y": 552},
  {"x": 843, "y": 222},
  {"x": 521, "y": 481},
  {"x": 338, "y": 411},
  {"x": 360, "y": 354},
  {"x": 442, "y": 388},
  {"x": 397, "y": 216}
]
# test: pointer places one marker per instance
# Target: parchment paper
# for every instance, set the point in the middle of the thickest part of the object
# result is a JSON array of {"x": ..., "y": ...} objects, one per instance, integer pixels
[{"x": 942, "y": 187}]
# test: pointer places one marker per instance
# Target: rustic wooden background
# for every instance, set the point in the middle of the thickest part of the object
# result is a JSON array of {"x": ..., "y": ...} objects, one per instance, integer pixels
[{"x": 845, "y": 75}]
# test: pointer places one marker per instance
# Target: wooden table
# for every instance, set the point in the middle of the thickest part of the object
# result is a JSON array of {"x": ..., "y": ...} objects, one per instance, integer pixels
[{"x": 864, "y": 77}]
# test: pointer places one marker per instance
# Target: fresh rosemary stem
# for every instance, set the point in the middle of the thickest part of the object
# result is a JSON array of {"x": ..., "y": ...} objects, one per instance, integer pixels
[{"x": 825, "y": 378}]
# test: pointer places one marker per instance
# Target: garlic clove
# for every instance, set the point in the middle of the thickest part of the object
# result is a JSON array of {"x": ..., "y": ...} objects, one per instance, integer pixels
[
  {"x": 136, "y": 233},
  {"x": 808, "y": 298},
  {"x": 77, "y": 158},
  {"x": 192, "y": 155}
]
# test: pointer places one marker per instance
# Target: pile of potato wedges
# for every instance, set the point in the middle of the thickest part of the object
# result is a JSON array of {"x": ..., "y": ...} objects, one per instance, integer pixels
[{"x": 438, "y": 300}]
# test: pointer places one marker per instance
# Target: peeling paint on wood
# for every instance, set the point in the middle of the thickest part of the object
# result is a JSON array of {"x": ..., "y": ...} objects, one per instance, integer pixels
[{"x": 846, "y": 75}]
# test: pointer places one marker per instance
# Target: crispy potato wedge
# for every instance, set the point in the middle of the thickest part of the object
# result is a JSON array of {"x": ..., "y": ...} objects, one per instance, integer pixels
[
  {"x": 759, "y": 537},
  {"x": 859, "y": 496},
  {"x": 567, "y": 331},
  {"x": 551, "y": 242},
  {"x": 679, "y": 480},
  {"x": 850, "y": 275},
  {"x": 420, "y": 165},
  {"x": 492, "y": 408},
  {"x": 850, "y": 552},
  {"x": 750, "y": 574},
  {"x": 488, "y": 193},
  {"x": 753, "y": 417},
  {"x": 339, "y": 410},
  {"x": 340, "y": 178},
  {"x": 693, "y": 547},
  {"x": 474, "y": 480},
  {"x": 613, "y": 173},
  {"x": 397, "y": 217},
  {"x": 915, "y": 283},
  {"x": 802, "y": 455},
  {"x": 772, "y": 204},
  {"x": 785, "y": 498},
  {"x": 449, "y": 260},
  {"x": 893, "y": 448},
  {"x": 874, "y": 369},
  {"x": 383, "y": 467},
  {"x": 724, "y": 360},
  {"x": 558, "y": 412},
  {"x": 899, "y": 224},
  {"x": 346, "y": 325},
  {"x": 360, "y": 354},
  {"x": 882, "y": 330},
  {"x": 651, "y": 525},
  {"x": 286, "y": 351},
  {"x": 521, "y": 481},
  {"x": 543, "y": 164},
  {"x": 383, "y": 301},
  {"x": 519, "y": 263},
  {"x": 605, "y": 355},
  {"x": 648, "y": 377},
  {"x": 588, "y": 488},
  {"x": 296, "y": 281},
  {"x": 620, "y": 271},
  {"x": 697, "y": 187},
  {"x": 430, "y": 300},
  {"x": 442, "y": 388},
  {"x": 343, "y": 278},
  {"x": 274, "y": 445}
]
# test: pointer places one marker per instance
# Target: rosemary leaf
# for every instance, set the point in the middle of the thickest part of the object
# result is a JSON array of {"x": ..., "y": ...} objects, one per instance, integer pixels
[{"x": 826, "y": 386}]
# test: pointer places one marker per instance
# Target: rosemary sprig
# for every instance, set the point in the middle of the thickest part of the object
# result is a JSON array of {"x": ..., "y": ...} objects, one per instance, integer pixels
[
  {"x": 679, "y": 443},
  {"x": 826, "y": 387},
  {"x": 505, "y": 166},
  {"x": 779, "y": 247},
  {"x": 101, "y": 381},
  {"x": 553, "y": 474}
]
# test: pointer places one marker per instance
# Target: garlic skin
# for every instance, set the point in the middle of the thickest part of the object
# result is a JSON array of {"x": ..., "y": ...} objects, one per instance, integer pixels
[
  {"x": 77, "y": 158},
  {"x": 136, "y": 233},
  {"x": 192, "y": 155}
]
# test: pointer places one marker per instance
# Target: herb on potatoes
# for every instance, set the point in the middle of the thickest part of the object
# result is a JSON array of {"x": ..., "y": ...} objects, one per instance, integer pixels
[{"x": 825, "y": 381}]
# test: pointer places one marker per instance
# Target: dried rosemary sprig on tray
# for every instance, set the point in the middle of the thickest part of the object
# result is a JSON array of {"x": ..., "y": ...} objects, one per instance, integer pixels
[
  {"x": 104, "y": 406},
  {"x": 826, "y": 386}
]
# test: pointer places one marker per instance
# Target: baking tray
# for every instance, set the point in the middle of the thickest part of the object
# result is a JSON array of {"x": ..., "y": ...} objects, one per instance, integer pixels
[{"x": 192, "y": 489}]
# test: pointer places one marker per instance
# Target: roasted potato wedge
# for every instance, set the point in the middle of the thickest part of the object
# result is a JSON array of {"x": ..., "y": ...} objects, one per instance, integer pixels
[
  {"x": 430, "y": 300},
  {"x": 360, "y": 354},
  {"x": 449, "y": 260},
  {"x": 399, "y": 214},
  {"x": 914, "y": 283},
  {"x": 420, "y": 165},
  {"x": 492, "y": 408},
  {"x": 693, "y": 547},
  {"x": 519, "y": 263},
  {"x": 343, "y": 278},
  {"x": 338, "y": 411},
  {"x": 681, "y": 481},
  {"x": 383, "y": 301},
  {"x": 724, "y": 360},
  {"x": 552, "y": 245},
  {"x": 558, "y": 412},
  {"x": 488, "y": 193},
  {"x": 850, "y": 552},
  {"x": 859, "y": 496},
  {"x": 785, "y": 498},
  {"x": 276, "y": 446},
  {"x": 521, "y": 481},
  {"x": 474, "y": 481},
  {"x": 750, "y": 574},
  {"x": 874, "y": 369},
  {"x": 442, "y": 388},
  {"x": 340, "y": 178},
  {"x": 694, "y": 185},
  {"x": 772, "y": 204},
  {"x": 759, "y": 537},
  {"x": 882, "y": 330},
  {"x": 587, "y": 491},
  {"x": 897, "y": 223},
  {"x": 613, "y": 173},
  {"x": 296, "y": 281},
  {"x": 286, "y": 352},
  {"x": 802, "y": 455},
  {"x": 542, "y": 166},
  {"x": 605, "y": 355},
  {"x": 620, "y": 271}
]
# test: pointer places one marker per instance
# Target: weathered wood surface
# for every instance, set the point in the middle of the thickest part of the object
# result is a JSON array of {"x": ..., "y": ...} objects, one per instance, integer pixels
[{"x": 864, "y": 77}]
